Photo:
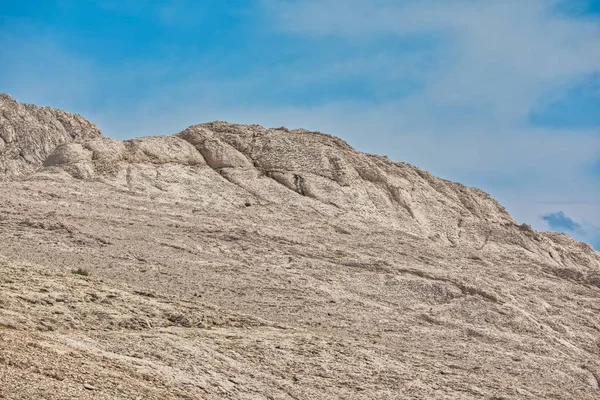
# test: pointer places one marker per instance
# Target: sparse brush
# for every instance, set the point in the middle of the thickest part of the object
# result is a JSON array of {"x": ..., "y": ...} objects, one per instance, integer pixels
[{"x": 80, "y": 271}]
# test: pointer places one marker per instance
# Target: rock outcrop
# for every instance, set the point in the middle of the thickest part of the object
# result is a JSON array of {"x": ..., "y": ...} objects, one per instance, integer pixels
[
  {"x": 282, "y": 166},
  {"x": 237, "y": 261},
  {"x": 28, "y": 134},
  {"x": 312, "y": 170}
]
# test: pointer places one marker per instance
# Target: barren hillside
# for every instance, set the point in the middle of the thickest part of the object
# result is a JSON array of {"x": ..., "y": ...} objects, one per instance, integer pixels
[{"x": 240, "y": 262}]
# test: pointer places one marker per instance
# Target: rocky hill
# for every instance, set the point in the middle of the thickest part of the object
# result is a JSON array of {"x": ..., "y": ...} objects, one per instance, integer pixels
[
  {"x": 28, "y": 134},
  {"x": 234, "y": 261}
]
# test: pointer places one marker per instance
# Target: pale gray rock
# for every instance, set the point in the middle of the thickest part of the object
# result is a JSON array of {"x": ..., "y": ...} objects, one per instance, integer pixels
[
  {"x": 28, "y": 134},
  {"x": 237, "y": 261}
]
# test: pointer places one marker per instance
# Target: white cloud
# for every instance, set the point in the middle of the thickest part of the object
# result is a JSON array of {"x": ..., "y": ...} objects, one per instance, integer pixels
[{"x": 503, "y": 53}]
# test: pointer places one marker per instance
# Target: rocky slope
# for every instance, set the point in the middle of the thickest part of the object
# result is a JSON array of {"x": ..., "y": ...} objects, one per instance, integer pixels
[
  {"x": 28, "y": 134},
  {"x": 232, "y": 261}
]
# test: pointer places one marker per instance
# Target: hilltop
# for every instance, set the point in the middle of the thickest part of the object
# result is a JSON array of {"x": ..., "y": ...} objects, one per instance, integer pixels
[{"x": 237, "y": 261}]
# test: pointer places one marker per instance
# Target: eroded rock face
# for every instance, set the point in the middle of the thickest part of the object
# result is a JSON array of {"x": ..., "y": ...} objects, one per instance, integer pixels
[
  {"x": 28, "y": 134},
  {"x": 336, "y": 274},
  {"x": 306, "y": 169},
  {"x": 271, "y": 166},
  {"x": 282, "y": 166}
]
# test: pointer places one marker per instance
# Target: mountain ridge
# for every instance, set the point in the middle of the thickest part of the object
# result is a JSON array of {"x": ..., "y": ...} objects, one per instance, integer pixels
[
  {"x": 236, "y": 261},
  {"x": 227, "y": 149}
]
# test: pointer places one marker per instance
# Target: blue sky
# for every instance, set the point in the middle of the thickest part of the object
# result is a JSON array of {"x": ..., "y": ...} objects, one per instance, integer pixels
[{"x": 503, "y": 95}]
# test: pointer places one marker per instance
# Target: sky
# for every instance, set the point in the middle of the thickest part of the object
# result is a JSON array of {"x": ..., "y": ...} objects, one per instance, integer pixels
[{"x": 503, "y": 95}]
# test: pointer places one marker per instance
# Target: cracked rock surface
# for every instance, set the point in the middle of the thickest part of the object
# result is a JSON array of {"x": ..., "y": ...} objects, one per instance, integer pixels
[
  {"x": 28, "y": 134},
  {"x": 240, "y": 262}
]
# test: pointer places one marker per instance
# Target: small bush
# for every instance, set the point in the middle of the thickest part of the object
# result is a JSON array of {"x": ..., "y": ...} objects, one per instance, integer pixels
[{"x": 80, "y": 271}]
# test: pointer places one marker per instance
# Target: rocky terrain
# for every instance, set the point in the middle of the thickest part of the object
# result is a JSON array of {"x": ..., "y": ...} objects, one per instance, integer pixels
[{"x": 239, "y": 262}]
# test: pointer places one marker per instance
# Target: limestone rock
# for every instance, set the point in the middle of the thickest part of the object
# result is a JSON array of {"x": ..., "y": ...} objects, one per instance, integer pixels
[
  {"x": 28, "y": 134},
  {"x": 228, "y": 260}
]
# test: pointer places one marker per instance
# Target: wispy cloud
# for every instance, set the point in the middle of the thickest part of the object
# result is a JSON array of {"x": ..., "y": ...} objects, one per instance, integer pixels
[
  {"x": 571, "y": 104},
  {"x": 500, "y": 56}
]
